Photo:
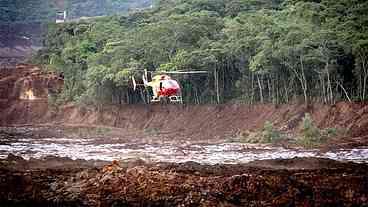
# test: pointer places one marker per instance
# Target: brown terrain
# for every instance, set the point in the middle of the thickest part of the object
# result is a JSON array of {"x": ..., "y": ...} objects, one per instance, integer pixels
[{"x": 61, "y": 181}]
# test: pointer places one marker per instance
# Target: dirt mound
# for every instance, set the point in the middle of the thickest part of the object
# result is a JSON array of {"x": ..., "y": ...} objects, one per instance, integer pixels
[{"x": 140, "y": 184}]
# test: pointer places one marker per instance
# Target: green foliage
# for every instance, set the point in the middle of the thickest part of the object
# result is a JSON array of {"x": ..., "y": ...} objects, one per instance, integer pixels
[
  {"x": 152, "y": 131},
  {"x": 268, "y": 134},
  {"x": 262, "y": 51},
  {"x": 310, "y": 135},
  {"x": 331, "y": 132},
  {"x": 334, "y": 132}
]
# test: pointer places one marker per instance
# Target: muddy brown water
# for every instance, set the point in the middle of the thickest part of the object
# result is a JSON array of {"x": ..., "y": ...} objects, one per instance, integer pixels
[{"x": 25, "y": 142}]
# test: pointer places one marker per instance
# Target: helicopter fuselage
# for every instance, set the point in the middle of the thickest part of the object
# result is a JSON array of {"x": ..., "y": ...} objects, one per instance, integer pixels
[
  {"x": 168, "y": 88},
  {"x": 165, "y": 87}
]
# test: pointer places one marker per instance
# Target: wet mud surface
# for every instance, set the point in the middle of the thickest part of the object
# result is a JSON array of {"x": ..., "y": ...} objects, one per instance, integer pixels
[
  {"x": 63, "y": 166},
  {"x": 108, "y": 145}
]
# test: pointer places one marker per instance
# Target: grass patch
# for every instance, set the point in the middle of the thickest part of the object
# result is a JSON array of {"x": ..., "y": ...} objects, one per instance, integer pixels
[
  {"x": 309, "y": 136},
  {"x": 152, "y": 131}
]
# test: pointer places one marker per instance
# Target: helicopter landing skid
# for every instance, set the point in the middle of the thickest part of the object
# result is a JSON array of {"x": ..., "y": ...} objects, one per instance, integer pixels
[
  {"x": 165, "y": 99},
  {"x": 176, "y": 99}
]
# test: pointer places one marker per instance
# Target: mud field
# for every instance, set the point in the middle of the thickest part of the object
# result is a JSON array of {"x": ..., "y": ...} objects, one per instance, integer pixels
[
  {"x": 107, "y": 144},
  {"x": 79, "y": 166},
  {"x": 142, "y": 155}
]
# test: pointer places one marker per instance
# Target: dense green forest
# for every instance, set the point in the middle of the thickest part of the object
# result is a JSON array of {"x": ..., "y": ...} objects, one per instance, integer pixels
[{"x": 267, "y": 51}]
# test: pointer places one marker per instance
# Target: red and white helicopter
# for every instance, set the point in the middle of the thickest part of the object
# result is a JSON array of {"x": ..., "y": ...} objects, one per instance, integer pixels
[{"x": 164, "y": 88}]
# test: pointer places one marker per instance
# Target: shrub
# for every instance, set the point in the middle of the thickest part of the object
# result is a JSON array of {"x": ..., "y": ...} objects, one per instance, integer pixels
[
  {"x": 152, "y": 131},
  {"x": 249, "y": 137},
  {"x": 268, "y": 134},
  {"x": 330, "y": 132},
  {"x": 310, "y": 135}
]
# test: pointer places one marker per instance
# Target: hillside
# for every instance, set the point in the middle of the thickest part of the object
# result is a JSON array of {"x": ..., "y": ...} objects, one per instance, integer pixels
[{"x": 23, "y": 24}]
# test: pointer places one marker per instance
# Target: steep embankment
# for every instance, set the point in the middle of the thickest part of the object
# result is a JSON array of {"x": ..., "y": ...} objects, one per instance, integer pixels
[{"x": 24, "y": 92}]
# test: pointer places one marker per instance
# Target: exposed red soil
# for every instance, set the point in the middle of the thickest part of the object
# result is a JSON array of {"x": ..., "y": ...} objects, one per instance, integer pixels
[
  {"x": 15, "y": 83},
  {"x": 81, "y": 183}
]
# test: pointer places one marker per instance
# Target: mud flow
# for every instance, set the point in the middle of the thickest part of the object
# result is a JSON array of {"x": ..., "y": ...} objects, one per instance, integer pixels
[
  {"x": 40, "y": 142},
  {"x": 61, "y": 166}
]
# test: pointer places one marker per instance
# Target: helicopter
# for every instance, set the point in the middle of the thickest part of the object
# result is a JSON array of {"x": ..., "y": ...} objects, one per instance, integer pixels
[{"x": 165, "y": 89}]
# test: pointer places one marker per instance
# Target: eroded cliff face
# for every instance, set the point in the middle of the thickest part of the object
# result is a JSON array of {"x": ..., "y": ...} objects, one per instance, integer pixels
[
  {"x": 25, "y": 90},
  {"x": 28, "y": 82}
]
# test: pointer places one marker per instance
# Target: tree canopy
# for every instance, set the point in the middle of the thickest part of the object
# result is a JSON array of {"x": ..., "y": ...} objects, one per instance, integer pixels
[{"x": 254, "y": 50}]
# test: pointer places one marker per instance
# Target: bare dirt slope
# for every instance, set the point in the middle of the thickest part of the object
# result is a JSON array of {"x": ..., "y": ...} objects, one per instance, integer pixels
[{"x": 187, "y": 121}]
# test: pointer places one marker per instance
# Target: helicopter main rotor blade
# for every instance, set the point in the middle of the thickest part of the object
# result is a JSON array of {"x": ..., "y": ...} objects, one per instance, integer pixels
[{"x": 182, "y": 72}]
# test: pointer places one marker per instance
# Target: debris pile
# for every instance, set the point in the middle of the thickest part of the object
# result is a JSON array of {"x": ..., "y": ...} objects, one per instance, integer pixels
[{"x": 188, "y": 184}]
